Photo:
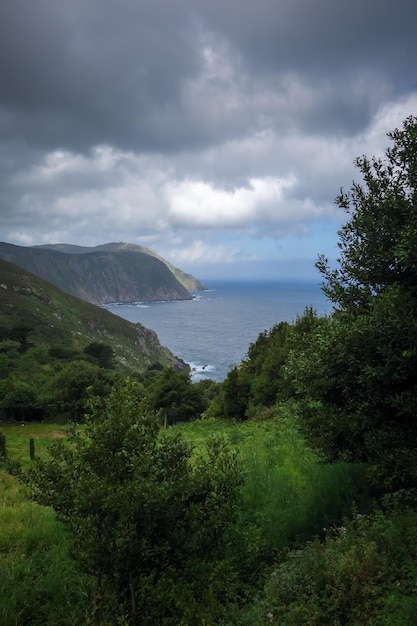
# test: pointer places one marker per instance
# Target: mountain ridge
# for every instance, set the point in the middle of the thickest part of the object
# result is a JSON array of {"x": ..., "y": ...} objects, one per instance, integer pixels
[
  {"x": 187, "y": 280},
  {"x": 112, "y": 272}
]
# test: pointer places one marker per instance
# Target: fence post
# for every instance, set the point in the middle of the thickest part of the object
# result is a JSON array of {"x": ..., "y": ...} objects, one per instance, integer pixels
[
  {"x": 3, "y": 449},
  {"x": 32, "y": 448}
]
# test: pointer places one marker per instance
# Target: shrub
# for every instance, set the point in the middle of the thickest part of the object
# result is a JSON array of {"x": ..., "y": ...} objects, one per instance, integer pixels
[{"x": 153, "y": 528}]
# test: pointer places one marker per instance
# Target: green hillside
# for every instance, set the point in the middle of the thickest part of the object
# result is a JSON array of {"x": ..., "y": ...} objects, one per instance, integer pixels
[{"x": 54, "y": 318}]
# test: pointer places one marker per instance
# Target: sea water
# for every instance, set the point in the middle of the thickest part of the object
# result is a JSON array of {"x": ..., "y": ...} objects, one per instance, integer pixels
[{"x": 213, "y": 331}]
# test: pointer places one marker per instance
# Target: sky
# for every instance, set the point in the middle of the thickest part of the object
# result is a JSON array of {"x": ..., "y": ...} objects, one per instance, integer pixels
[{"x": 217, "y": 133}]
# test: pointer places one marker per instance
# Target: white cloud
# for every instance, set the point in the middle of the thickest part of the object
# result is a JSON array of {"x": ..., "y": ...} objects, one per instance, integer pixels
[
  {"x": 201, "y": 204},
  {"x": 199, "y": 252}
]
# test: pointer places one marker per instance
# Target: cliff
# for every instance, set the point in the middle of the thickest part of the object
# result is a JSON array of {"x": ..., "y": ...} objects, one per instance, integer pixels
[
  {"x": 109, "y": 273},
  {"x": 187, "y": 280}
]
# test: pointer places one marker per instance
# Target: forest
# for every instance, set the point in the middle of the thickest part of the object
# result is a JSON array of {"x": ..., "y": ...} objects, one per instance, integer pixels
[{"x": 286, "y": 494}]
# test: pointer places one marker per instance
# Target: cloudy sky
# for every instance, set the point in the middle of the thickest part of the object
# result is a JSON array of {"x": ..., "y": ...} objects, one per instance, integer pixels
[{"x": 216, "y": 132}]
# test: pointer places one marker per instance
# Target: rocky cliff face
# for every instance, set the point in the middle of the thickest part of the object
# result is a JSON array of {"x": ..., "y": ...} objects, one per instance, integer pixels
[
  {"x": 104, "y": 277},
  {"x": 101, "y": 275}
]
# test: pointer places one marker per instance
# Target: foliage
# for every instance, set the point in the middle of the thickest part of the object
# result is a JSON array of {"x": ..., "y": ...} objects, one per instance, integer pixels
[
  {"x": 362, "y": 573},
  {"x": 208, "y": 389},
  {"x": 151, "y": 527},
  {"x": 366, "y": 354},
  {"x": 377, "y": 243},
  {"x": 73, "y": 385},
  {"x": 102, "y": 353},
  {"x": 264, "y": 364},
  {"x": 20, "y": 333},
  {"x": 235, "y": 394},
  {"x": 173, "y": 394},
  {"x": 301, "y": 374},
  {"x": 18, "y": 400},
  {"x": 257, "y": 381}
]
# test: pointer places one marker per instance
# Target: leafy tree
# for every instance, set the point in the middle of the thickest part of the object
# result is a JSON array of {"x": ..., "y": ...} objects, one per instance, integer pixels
[
  {"x": 266, "y": 358},
  {"x": 20, "y": 333},
  {"x": 303, "y": 375},
  {"x": 235, "y": 394},
  {"x": 66, "y": 353},
  {"x": 255, "y": 383},
  {"x": 73, "y": 385},
  {"x": 378, "y": 243},
  {"x": 208, "y": 389},
  {"x": 369, "y": 355},
  {"x": 152, "y": 527},
  {"x": 18, "y": 400},
  {"x": 175, "y": 395},
  {"x": 102, "y": 353}
]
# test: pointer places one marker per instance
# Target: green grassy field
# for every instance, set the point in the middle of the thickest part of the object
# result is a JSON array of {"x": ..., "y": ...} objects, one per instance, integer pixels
[
  {"x": 39, "y": 582},
  {"x": 18, "y": 437},
  {"x": 288, "y": 492},
  {"x": 287, "y": 495}
]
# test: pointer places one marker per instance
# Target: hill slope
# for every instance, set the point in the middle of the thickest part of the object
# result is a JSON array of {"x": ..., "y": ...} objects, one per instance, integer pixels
[
  {"x": 101, "y": 276},
  {"x": 187, "y": 280},
  {"x": 57, "y": 318}
]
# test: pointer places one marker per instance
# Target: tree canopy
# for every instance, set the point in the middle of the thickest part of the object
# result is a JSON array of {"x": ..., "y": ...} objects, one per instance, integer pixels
[
  {"x": 367, "y": 354},
  {"x": 378, "y": 242},
  {"x": 147, "y": 521}
]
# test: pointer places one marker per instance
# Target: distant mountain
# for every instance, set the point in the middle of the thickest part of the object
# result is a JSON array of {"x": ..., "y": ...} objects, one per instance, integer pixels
[
  {"x": 109, "y": 273},
  {"x": 55, "y": 318},
  {"x": 187, "y": 280}
]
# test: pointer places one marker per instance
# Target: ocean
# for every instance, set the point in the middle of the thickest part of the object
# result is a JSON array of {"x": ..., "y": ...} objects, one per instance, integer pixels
[{"x": 212, "y": 332}]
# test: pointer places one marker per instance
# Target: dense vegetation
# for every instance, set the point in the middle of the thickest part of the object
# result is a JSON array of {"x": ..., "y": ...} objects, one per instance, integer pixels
[{"x": 286, "y": 494}]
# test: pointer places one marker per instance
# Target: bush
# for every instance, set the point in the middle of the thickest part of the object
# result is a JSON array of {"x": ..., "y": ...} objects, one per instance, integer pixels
[
  {"x": 362, "y": 574},
  {"x": 154, "y": 527}
]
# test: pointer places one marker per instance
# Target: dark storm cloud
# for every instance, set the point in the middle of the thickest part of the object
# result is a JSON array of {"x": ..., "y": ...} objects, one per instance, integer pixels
[
  {"x": 327, "y": 42},
  {"x": 80, "y": 73},
  {"x": 88, "y": 72},
  {"x": 322, "y": 37}
]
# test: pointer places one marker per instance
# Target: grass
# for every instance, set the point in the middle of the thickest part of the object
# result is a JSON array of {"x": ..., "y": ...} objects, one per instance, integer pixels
[
  {"x": 39, "y": 581},
  {"x": 288, "y": 495},
  {"x": 18, "y": 437}
]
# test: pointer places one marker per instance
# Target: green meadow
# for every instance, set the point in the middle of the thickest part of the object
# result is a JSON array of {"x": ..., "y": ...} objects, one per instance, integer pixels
[
  {"x": 39, "y": 582},
  {"x": 288, "y": 496}
]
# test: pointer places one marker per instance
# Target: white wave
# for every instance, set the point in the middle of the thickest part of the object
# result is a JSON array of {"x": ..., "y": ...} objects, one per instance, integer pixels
[
  {"x": 201, "y": 371},
  {"x": 111, "y": 305}
]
